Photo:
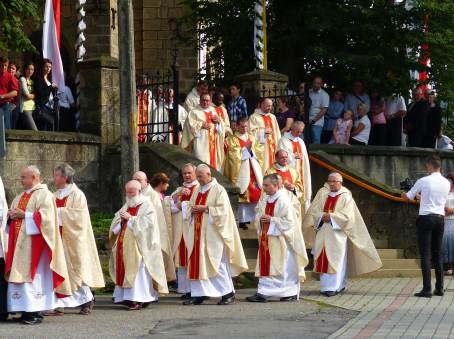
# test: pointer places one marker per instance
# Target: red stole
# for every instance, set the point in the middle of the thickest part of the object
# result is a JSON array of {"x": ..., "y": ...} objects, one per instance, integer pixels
[
  {"x": 322, "y": 262},
  {"x": 220, "y": 112},
  {"x": 297, "y": 149},
  {"x": 253, "y": 189},
  {"x": 142, "y": 101},
  {"x": 211, "y": 138},
  {"x": 264, "y": 251},
  {"x": 286, "y": 176},
  {"x": 182, "y": 250},
  {"x": 61, "y": 203},
  {"x": 271, "y": 139},
  {"x": 194, "y": 260},
  {"x": 120, "y": 264}
]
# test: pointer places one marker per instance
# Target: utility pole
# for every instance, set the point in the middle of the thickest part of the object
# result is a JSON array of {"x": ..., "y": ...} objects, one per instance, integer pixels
[{"x": 128, "y": 107}]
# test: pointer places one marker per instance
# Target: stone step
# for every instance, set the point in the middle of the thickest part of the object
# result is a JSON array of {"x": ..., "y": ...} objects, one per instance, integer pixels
[
  {"x": 395, "y": 273},
  {"x": 380, "y": 243},
  {"x": 390, "y": 253},
  {"x": 400, "y": 264}
]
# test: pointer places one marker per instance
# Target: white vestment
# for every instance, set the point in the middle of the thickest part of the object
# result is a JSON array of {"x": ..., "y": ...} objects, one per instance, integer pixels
[
  {"x": 142, "y": 291},
  {"x": 183, "y": 285},
  {"x": 82, "y": 296}
]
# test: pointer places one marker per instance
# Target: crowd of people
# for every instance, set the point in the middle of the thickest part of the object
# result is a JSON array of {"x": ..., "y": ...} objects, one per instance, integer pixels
[{"x": 29, "y": 99}]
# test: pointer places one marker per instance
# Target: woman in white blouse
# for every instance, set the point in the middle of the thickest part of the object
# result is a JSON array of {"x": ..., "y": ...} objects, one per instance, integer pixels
[{"x": 448, "y": 236}]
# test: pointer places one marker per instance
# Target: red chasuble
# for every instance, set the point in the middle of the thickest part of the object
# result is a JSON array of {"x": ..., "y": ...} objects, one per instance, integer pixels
[
  {"x": 286, "y": 176},
  {"x": 264, "y": 252},
  {"x": 297, "y": 149},
  {"x": 322, "y": 262},
  {"x": 194, "y": 260},
  {"x": 271, "y": 144},
  {"x": 211, "y": 138},
  {"x": 182, "y": 250},
  {"x": 253, "y": 189},
  {"x": 120, "y": 264},
  {"x": 61, "y": 203}
]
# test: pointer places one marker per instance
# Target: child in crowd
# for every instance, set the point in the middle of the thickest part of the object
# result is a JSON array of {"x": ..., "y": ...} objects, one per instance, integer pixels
[{"x": 341, "y": 132}]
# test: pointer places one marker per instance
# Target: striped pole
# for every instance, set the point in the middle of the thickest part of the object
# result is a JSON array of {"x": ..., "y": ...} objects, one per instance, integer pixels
[
  {"x": 80, "y": 53},
  {"x": 260, "y": 41}
]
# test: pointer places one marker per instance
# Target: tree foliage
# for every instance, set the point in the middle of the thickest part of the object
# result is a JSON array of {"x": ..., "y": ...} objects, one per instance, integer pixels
[
  {"x": 377, "y": 41},
  {"x": 15, "y": 17}
]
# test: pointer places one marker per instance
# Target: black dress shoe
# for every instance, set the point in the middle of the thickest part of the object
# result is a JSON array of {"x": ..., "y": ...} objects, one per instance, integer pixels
[
  {"x": 291, "y": 298},
  {"x": 438, "y": 292},
  {"x": 257, "y": 298},
  {"x": 423, "y": 294},
  {"x": 329, "y": 293},
  {"x": 227, "y": 300},
  {"x": 195, "y": 301},
  {"x": 30, "y": 318},
  {"x": 186, "y": 296}
]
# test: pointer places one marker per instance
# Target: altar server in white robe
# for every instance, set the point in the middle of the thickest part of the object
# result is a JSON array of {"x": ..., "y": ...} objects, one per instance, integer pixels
[
  {"x": 342, "y": 244},
  {"x": 136, "y": 264},
  {"x": 213, "y": 242},
  {"x": 282, "y": 254}
]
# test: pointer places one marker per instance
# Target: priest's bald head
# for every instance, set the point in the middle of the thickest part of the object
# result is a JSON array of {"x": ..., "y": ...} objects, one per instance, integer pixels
[
  {"x": 203, "y": 174},
  {"x": 266, "y": 106},
  {"x": 271, "y": 183},
  {"x": 141, "y": 178},
  {"x": 335, "y": 181},
  {"x": 30, "y": 176},
  {"x": 281, "y": 157}
]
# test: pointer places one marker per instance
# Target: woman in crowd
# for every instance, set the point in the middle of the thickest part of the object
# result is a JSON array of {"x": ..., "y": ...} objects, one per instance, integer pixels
[
  {"x": 160, "y": 183},
  {"x": 27, "y": 96},
  {"x": 448, "y": 236},
  {"x": 335, "y": 109},
  {"x": 45, "y": 90},
  {"x": 342, "y": 129},
  {"x": 361, "y": 132},
  {"x": 377, "y": 108},
  {"x": 284, "y": 117}
]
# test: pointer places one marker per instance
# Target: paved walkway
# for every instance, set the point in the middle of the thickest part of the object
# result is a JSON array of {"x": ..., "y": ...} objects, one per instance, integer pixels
[{"x": 388, "y": 309}]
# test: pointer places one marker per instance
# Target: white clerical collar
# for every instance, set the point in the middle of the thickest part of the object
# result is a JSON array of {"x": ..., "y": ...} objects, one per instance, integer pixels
[
  {"x": 31, "y": 189},
  {"x": 190, "y": 184},
  {"x": 281, "y": 168},
  {"x": 275, "y": 196},
  {"x": 292, "y": 137},
  {"x": 333, "y": 194},
  {"x": 244, "y": 136},
  {"x": 206, "y": 187},
  {"x": 64, "y": 192}
]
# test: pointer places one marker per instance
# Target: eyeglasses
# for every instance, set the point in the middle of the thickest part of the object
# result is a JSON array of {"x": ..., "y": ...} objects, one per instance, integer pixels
[{"x": 333, "y": 181}]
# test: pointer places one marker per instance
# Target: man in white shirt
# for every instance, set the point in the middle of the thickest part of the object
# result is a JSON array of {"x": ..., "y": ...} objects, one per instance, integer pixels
[
  {"x": 434, "y": 190},
  {"x": 395, "y": 110},
  {"x": 358, "y": 96},
  {"x": 320, "y": 103}
]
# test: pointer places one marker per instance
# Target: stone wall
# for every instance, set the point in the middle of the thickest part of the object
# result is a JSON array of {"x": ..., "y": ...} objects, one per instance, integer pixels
[{"x": 48, "y": 149}]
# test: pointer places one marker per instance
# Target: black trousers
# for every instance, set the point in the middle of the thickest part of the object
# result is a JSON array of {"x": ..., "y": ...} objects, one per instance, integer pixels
[
  {"x": 3, "y": 288},
  {"x": 430, "y": 237},
  {"x": 394, "y": 132},
  {"x": 326, "y": 136},
  {"x": 378, "y": 135},
  {"x": 356, "y": 142}
]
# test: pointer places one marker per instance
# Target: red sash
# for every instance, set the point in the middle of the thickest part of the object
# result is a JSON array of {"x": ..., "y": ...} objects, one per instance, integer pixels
[
  {"x": 286, "y": 176},
  {"x": 264, "y": 251},
  {"x": 194, "y": 260},
  {"x": 182, "y": 250},
  {"x": 271, "y": 138},
  {"x": 322, "y": 262},
  {"x": 142, "y": 101},
  {"x": 14, "y": 230},
  {"x": 297, "y": 149},
  {"x": 253, "y": 189},
  {"x": 211, "y": 138},
  {"x": 120, "y": 264},
  {"x": 61, "y": 203}
]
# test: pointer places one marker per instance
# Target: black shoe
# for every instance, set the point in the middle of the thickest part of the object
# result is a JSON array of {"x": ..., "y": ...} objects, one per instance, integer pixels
[
  {"x": 30, "y": 318},
  {"x": 227, "y": 299},
  {"x": 291, "y": 298},
  {"x": 438, "y": 292},
  {"x": 257, "y": 298},
  {"x": 186, "y": 296},
  {"x": 423, "y": 294},
  {"x": 195, "y": 301},
  {"x": 243, "y": 225},
  {"x": 329, "y": 293}
]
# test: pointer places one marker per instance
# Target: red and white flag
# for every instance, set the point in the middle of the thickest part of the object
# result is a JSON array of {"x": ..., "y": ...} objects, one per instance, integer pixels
[{"x": 51, "y": 41}]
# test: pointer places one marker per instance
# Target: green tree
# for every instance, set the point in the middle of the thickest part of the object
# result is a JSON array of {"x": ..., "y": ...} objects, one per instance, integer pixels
[{"x": 15, "y": 17}]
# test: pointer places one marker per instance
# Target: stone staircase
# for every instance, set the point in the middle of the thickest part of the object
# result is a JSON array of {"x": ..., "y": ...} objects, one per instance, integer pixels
[{"x": 395, "y": 265}]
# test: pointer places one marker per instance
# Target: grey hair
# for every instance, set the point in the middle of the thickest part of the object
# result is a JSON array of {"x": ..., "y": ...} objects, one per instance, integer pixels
[
  {"x": 203, "y": 168},
  {"x": 189, "y": 165},
  {"x": 273, "y": 178},
  {"x": 337, "y": 174},
  {"x": 66, "y": 171},
  {"x": 34, "y": 169},
  {"x": 361, "y": 105},
  {"x": 297, "y": 124}
]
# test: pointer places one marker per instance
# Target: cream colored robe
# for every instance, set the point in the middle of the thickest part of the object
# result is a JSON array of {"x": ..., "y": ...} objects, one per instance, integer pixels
[
  {"x": 257, "y": 128},
  {"x": 220, "y": 232},
  {"x": 296, "y": 181},
  {"x": 362, "y": 256},
  {"x": 79, "y": 242},
  {"x": 164, "y": 231},
  {"x": 287, "y": 221},
  {"x": 4, "y": 219},
  {"x": 42, "y": 200},
  {"x": 237, "y": 170},
  {"x": 192, "y": 100},
  {"x": 225, "y": 119},
  {"x": 197, "y": 138},
  {"x": 141, "y": 243},
  {"x": 300, "y": 165}
]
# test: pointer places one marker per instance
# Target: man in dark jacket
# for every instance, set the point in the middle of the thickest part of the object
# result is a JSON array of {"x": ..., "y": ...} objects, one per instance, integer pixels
[{"x": 416, "y": 119}]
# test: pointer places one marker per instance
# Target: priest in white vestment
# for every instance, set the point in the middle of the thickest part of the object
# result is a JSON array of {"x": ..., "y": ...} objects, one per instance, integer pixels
[
  {"x": 214, "y": 246},
  {"x": 263, "y": 125},
  {"x": 172, "y": 208},
  {"x": 193, "y": 97},
  {"x": 136, "y": 265},
  {"x": 282, "y": 254},
  {"x": 243, "y": 169},
  {"x": 298, "y": 159},
  {"x": 73, "y": 217},
  {"x": 165, "y": 231},
  {"x": 204, "y": 134},
  {"x": 3, "y": 250},
  {"x": 35, "y": 265},
  {"x": 342, "y": 244}
]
